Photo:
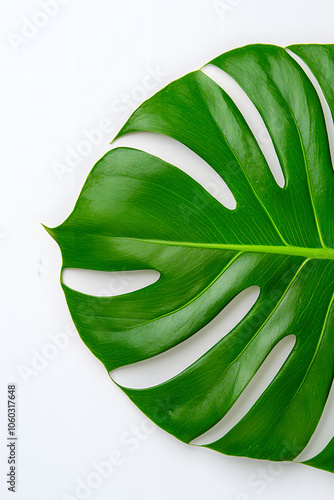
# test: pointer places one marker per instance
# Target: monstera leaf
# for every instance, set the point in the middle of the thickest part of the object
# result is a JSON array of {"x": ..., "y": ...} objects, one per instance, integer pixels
[{"x": 137, "y": 212}]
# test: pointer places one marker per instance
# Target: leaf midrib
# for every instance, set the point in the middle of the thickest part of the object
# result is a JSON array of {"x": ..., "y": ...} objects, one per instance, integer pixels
[
  {"x": 326, "y": 253},
  {"x": 308, "y": 253}
]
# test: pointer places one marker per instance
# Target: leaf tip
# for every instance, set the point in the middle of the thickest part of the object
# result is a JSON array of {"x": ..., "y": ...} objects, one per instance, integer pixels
[
  {"x": 50, "y": 231},
  {"x": 118, "y": 135}
]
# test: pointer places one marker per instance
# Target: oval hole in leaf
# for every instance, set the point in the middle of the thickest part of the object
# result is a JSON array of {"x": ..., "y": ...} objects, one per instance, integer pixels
[
  {"x": 108, "y": 283},
  {"x": 157, "y": 370},
  {"x": 252, "y": 117},
  {"x": 253, "y": 391},
  {"x": 178, "y": 154}
]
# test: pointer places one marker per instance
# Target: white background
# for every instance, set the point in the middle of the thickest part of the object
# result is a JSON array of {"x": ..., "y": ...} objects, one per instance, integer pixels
[{"x": 88, "y": 63}]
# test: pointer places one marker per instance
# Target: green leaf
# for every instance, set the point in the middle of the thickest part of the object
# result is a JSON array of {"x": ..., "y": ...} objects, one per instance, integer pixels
[{"x": 137, "y": 212}]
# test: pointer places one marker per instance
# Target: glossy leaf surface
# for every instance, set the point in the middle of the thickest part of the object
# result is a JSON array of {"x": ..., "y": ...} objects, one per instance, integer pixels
[{"x": 138, "y": 212}]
